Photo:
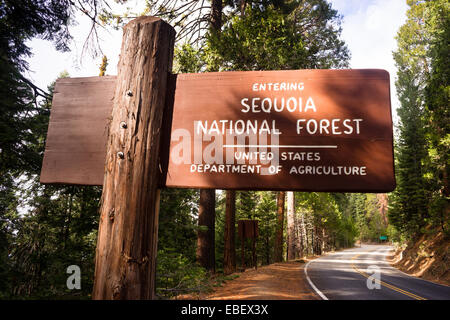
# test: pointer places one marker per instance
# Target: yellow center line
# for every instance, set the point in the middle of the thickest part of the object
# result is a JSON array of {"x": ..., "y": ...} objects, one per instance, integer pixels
[{"x": 390, "y": 286}]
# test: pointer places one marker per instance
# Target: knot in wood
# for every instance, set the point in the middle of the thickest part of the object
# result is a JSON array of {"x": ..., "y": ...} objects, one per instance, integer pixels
[
  {"x": 129, "y": 259},
  {"x": 129, "y": 93},
  {"x": 111, "y": 214},
  {"x": 120, "y": 155}
]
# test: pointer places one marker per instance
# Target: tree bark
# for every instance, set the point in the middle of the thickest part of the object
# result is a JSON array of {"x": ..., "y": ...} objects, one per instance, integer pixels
[
  {"x": 207, "y": 208},
  {"x": 303, "y": 234},
  {"x": 206, "y": 239},
  {"x": 291, "y": 225},
  {"x": 128, "y": 230},
  {"x": 324, "y": 241},
  {"x": 298, "y": 236},
  {"x": 280, "y": 221},
  {"x": 229, "y": 258},
  {"x": 216, "y": 15},
  {"x": 242, "y": 6}
]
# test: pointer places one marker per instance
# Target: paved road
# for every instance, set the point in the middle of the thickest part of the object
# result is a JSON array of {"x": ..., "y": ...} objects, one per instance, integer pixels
[{"x": 345, "y": 275}]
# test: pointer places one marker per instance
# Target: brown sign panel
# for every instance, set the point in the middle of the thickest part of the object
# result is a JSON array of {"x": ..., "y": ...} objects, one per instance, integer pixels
[
  {"x": 75, "y": 148},
  {"x": 248, "y": 229},
  {"x": 310, "y": 130}
]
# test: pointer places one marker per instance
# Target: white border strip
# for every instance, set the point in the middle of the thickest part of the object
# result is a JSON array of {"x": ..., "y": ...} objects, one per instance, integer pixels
[{"x": 312, "y": 284}]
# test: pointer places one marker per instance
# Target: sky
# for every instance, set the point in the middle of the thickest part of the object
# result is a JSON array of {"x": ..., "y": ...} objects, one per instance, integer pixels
[{"x": 369, "y": 28}]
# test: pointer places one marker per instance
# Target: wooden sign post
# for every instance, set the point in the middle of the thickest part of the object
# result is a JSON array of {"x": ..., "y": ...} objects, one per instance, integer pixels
[{"x": 128, "y": 231}]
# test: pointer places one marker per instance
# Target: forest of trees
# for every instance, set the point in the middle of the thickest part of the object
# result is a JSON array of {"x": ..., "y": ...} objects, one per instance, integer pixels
[
  {"x": 45, "y": 228},
  {"x": 420, "y": 202}
]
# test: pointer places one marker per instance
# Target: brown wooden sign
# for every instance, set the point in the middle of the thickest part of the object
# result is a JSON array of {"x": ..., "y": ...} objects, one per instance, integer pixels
[
  {"x": 307, "y": 130},
  {"x": 75, "y": 148},
  {"x": 248, "y": 229}
]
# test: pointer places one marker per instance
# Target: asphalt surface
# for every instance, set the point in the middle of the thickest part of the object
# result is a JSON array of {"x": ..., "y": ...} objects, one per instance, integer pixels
[{"x": 347, "y": 275}]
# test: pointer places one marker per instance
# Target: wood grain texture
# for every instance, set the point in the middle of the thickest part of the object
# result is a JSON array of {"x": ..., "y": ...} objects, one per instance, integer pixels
[
  {"x": 127, "y": 238},
  {"x": 75, "y": 148}
]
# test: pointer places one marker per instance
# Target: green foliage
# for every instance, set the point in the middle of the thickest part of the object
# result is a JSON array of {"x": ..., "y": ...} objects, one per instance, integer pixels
[
  {"x": 20, "y": 113},
  {"x": 60, "y": 229},
  {"x": 422, "y": 148},
  {"x": 23, "y": 125},
  {"x": 44, "y": 229},
  {"x": 56, "y": 228},
  {"x": 177, "y": 274},
  {"x": 437, "y": 94},
  {"x": 21, "y": 20},
  {"x": 365, "y": 209},
  {"x": 187, "y": 59},
  {"x": 260, "y": 206},
  {"x": 331, "y": 212},
  {"x": 103, "y": 66},
  {"x": 267, "y": 38},
  {"x": 265, "y": 212},
  {"x": 178, "y": 221},
  {"x": 220, "y": 229}
]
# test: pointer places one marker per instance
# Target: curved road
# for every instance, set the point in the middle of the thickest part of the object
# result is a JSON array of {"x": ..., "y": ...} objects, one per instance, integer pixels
[{"x": 349, "y": 274}]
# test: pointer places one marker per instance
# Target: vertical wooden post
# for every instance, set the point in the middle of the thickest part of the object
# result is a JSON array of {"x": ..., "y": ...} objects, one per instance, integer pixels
[{"x": 128, "y": 230}]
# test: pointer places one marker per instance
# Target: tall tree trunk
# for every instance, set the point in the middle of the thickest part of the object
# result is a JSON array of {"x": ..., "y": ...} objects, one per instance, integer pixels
[
  {"x": 128, "y": 229},
  {"x": 246, "y": 207},
  {"x": 242, "y": 6},
  {"x": 229, "y": 254},
  {"x": 291, "y": 225},
  {"x": 280, "y": 221},
  {"x": 206, "y": 239},
  {"x": 306, "y": 233},
  {"x": 303, "y": 235},
  {"x": 324, "y": 241},
  {"x": 216, "y": 15},
  {"x": 207, "y": 210},
  {"x": 68, "y": 221},
  {"x": 298, "y": 236}
]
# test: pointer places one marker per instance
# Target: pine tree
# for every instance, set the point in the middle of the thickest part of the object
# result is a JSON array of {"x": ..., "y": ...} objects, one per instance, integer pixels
[
  {"x": 417, "y": 164},
  {"x": 437, "y": 113}
]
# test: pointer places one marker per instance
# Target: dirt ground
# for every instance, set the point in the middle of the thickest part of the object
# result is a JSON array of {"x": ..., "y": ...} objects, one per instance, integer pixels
[
  {"x": 278, "y": 281},
  {"x": 428, "y": 258}
]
